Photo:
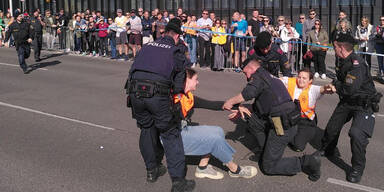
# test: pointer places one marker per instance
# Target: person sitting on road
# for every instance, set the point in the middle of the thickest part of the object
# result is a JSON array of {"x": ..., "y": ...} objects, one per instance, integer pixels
[
  {"x": 205, "y": 140},
  {"x": 300, "y": 88}
]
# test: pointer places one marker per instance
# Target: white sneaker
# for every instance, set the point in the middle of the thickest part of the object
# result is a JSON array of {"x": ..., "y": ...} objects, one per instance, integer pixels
[
  {"x": 208, "y": 172},
  {"x": 245, "y": 172},
  {"x": 317, "y": 75},
  {"x": 323, "y": 76},
  {"x": 193, "y": 65}
]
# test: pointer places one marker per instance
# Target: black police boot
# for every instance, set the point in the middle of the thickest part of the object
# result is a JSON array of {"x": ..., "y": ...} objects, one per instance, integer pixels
[
  {"x": 183, "y": 185},
  {"x": 354, "y": 176},
  {"x": 154, "y": 174},
  {"x": 256, "y": 156},
  {"x": 310, "y": 164}
]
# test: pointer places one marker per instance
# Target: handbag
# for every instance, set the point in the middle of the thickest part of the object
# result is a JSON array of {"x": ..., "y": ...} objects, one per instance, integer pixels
[{"x": 324, "y": 48}]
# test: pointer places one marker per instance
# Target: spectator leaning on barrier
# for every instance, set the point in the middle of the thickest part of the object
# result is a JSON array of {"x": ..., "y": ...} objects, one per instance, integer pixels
[
  {"x": 239, "y": 28},
  {"x": 78, "y": 34},
  {"x": 219, "y": 42},
  {"x": 307, "y": 27},
  {"x": 50, "y": 29},
  {"x": 203, "y": 39},
  {"x": 112, "y": 37},
  {"x": 379, "y": 46},
  {"x": 191, "y": 38},
  {"x": 136, "y": 30},
  {"x": 288, "y": 33},
  {"x": 102, "y": 28},
  {"x": 2, "y": 28},
  {"x": 254, "y": 25},
  {"x": 280, "y": 25},
  {"x": 318, "y": 36},
  {"x": 71, "y": 33},
  {"x": 147, "y": 28},
  {"x": 62, "y": 24},
  {"x": 266, "y": 26},
  {"x": 121, "y": 34},
  {"x": 364, "y": 34}
]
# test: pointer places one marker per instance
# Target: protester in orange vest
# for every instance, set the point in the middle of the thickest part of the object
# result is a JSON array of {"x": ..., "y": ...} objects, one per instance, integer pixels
[
  {"x": 204, "y": 140},
  {"x": 300, "y": 88}
]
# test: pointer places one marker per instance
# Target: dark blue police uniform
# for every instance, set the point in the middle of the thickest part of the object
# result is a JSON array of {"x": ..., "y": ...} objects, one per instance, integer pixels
[
  {"x": 272, "y": 100},
  {"x": 158, "y": 72},
  {"x": 273, "y": 61},
  {"x": 357, "y": 93},
  {"x": 21, "y": 32}
]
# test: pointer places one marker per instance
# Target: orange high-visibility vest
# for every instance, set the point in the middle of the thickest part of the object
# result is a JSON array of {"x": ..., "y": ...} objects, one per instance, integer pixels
[
  {"x": 306, "y": 111},
  {"x": 186, "y": 102}
]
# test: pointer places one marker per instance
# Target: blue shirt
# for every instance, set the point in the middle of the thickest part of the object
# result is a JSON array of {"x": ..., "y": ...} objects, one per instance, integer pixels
[
  {"x": 242, "y": 27},
  {"x": 299, "y": 28}
]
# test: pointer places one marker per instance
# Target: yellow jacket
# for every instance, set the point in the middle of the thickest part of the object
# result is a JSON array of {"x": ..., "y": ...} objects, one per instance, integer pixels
[{"x": 217, "y": 38}]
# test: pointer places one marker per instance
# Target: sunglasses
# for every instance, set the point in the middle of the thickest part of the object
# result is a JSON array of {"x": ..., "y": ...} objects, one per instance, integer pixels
[
  {"x": 266, "y": 21},
  {"x": 205, "y": 13},
  {"x": 224, "y": 23},
  {"x": 381, "y": 19},
  {"x": 313, "y": 14},
  {"x": 302, "y": 18},
  {"x": 281, "y": 20},
  {"x": 317, "y": 23},
  {"x": 288, "y": 23}
]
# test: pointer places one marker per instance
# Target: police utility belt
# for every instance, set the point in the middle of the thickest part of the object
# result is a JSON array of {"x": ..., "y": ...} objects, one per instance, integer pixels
[
  {"x": 147, "y": 88},
  {"x": 286, "y": 116},
  {"x": 365, "y": 101}
]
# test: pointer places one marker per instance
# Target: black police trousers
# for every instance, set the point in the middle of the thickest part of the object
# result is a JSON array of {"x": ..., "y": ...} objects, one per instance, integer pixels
[
  {"x": 155, "y": 118},
  {"x": 37, "y": 44},
  {"x": 273, "y": 162},
  {"x": 363, "y": 122},
  {"x": 23, "y": 52},
  {"x": 307, "y": 132}
]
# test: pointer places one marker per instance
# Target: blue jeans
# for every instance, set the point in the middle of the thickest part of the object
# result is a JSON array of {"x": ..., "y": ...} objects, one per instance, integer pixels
[
  {"x": 78, "y": 44},
  {"x": 112, "y": 42},
  {"x": 23, "y": 52},
  {"x": 380, "y": 50},
  {"x": 191, "y": 40},
  {"x": 204, "y": 139}
]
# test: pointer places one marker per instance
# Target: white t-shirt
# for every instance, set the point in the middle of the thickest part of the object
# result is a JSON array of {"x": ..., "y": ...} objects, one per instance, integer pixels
[{"x": 313, "y": 93}]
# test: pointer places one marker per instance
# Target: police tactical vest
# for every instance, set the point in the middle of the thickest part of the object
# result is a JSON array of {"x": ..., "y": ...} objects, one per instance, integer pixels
[
  {"x": 274, "y": 96},
  {"x": 156, "y": 57}
]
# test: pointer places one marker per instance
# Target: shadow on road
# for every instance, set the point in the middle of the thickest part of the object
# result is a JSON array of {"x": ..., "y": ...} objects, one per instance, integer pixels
[
  {"x": 341, "y": 164},
  {"x": 53, "y": 55},
  {"x": 43, "y": 65}
]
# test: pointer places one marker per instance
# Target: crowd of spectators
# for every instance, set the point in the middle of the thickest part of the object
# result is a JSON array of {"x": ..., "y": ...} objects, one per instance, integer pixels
[{"x": 205, "y": 36}]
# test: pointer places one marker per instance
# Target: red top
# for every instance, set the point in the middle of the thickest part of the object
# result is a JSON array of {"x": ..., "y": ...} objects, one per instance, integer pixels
[{"x": 103, "y": 28}]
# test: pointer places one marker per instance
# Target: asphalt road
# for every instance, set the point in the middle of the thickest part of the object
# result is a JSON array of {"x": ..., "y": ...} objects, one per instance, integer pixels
[{"x": 64, "y": 127}]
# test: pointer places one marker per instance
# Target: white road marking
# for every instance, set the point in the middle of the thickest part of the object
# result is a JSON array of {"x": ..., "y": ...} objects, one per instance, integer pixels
[
  {"x": 55, "y": 116},
  {"x": 380, "y": 115},
  {"x": 353, "y": 186},
  {"x": 13, "y": 65}
]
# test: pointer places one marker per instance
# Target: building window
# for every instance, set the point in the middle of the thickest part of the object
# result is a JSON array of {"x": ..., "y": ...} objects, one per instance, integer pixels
[
  {"x": 208, "y": 4},
  {"x": 147, "y": 4},
  {"x": 355, "y": 2},
  {"x": 307, "y": 3}
]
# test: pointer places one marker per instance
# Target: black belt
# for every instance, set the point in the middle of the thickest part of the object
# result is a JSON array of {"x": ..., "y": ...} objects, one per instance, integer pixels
[{"x": 148, "y": 88}]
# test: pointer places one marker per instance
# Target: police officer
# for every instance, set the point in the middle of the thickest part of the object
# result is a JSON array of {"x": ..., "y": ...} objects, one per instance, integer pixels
[
  {"x": 275, "y": 107},
  {"x": 37, "y": 25},
  {"x": 157, "y": 72},
  {"x": 271, "y": 56},
  {"x": 358, "y": 101},
  {"x": 22, "y": 33}
]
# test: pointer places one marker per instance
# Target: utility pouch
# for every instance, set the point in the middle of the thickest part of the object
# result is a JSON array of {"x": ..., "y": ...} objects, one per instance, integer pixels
[
  {"x": 278, "y": 125},
  {"x": 256, "y": 125},
  {"x": 144, "y": 89}
]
